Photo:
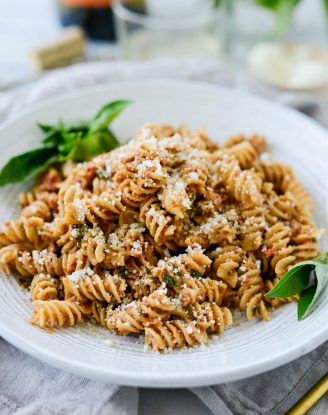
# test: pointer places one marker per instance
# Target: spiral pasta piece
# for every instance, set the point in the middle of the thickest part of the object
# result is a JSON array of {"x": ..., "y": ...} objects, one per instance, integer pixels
[
  {"x": 37, "y": 209},
  {"x": 216, "y": 230},
  {"x": 15, "y": 259},
  {"x": 196, "y": 260},
  {"x": 133, "y": 318},
  {"x": 68, "y": 193},
  {"x": 251, "y": 294},
  {"x": 44, "y": 287},
  {"x": 195, "y": 176},
  {"x": 24, "y": 230},
  {"x": 257, "y": 141},
  {"x": 127, "y": 320},
  {"x": 75, "y": 212},
  {"x": 105, "y": 205},
  {"x": 305, "y": 246},
  {"x": 159, "y": 223},
  {"x": 281, "y": 208},
  {"x": 139, "y": 177},
  {"x": 274, "y": 172},
  {"x": 233, "y": 140},
  {"x": 50, "y": 198},
  {"x": 283, "y": 260},
  {"x": 175, "y": 198},
  {"x": 251, "y": 230},
  {"x": 243, "y": 185},
  {"x": 99, "y": 185},
  {"x": 190, "y": 295},
  {"x": 109, "y": 289},
  {"x": 95, "y": 250},
  {"x": 101, "y": 313},
  {"x": 131, "y": 194},
  {"x": 213, "y": 290},
  {"x": 211, "y": 317},
  {"x": 278, "y": 236},
  {"x": 183, "y": 270},
  {"x": 231, "y": 298},
  {"x": 278, "y": 241},
  {"x": 244, "y": 152},
  {"x": 55, "y": 313},
  {"x": 227, "y": 263},
  {"x": 292, "y": 185},
  {"x": 199, "y": 290},
  {"x": 174, "y": 334},
  {"x": 75, "y": 259}
]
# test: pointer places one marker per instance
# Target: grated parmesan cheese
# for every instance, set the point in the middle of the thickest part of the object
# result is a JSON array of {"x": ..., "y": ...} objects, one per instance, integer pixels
[{"x": 80, "y": 273}]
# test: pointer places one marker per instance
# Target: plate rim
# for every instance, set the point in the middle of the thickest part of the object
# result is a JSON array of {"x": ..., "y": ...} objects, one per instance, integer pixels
[
  {"x": 21, "y": 114},
  {"x": 154, "y": 380},
  {"x": 162, "y": 380}
]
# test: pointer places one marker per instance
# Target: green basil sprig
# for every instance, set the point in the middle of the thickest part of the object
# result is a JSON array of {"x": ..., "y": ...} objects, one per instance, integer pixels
[
  {"x": 277, "y": 4},
  {"x": 298, "y": 280},
  {"x": 63, "y": 142}
]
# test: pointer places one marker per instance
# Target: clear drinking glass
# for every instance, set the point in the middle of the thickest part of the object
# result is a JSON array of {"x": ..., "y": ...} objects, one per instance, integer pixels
[
  {"x": 156, "y": 32},
  {"x": 252, "y": 22}
]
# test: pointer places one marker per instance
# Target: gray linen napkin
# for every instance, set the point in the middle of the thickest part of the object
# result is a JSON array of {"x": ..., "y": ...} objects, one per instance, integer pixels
[
  {"x": 273, "y": 392},
  {"x": 28, "y": 386}
]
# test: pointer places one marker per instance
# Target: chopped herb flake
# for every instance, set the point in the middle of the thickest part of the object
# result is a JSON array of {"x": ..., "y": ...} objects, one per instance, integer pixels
[
  {"x": 171, "y": 281},
  {"x": 122, "y": 271},
  {"x": 196, "y": 274}
]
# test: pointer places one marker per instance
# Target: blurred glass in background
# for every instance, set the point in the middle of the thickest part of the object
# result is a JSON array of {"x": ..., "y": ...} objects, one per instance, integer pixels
[
  {"x": 158, "y": 29},
  {"x": 253, "y": 21},
  {"x": 220, "y": 29}
]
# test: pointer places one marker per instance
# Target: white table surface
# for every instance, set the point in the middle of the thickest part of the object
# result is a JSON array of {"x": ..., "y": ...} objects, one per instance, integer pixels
[{"x": 23, "y": 25}]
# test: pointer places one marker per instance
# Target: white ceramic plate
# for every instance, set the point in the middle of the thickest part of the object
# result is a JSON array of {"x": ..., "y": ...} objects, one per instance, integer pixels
[{"x": 242, "y": 351}]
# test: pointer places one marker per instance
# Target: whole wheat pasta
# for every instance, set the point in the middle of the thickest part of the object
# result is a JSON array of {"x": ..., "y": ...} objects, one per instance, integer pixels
[{"x": 162, "y": 237}]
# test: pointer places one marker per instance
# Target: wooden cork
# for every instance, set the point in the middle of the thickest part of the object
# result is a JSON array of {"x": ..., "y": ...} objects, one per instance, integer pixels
[{"x": 65, "y": 49}]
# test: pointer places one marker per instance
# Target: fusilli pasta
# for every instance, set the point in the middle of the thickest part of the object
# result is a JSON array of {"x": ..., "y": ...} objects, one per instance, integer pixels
[{"x": 162, "y": 237}]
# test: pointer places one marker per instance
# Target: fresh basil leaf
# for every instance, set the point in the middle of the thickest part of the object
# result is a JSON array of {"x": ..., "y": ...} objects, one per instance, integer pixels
[
  {"x": 82, "y": 128},
  {"x": 52, "y": 138},
  {"x": 55, "y": 135},
  {"x": 306, "y": 303},
  {"x": 305, "y": 300},
  {"x": 72, "y": 136},
  {"x": 68, "y": 143},
  {"x": 27, "y": 165},
  {"x": 294, "y": 281},
  {"x": 107, "y": 114},
  {"x": 45, "y": 127},
  {"x": 93, "y": 144},
  {"x": 63, "y": 142}
]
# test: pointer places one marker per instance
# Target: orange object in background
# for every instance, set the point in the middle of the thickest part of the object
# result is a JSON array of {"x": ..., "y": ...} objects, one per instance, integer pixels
[
  {"x": 95, "y": 17},
  {"x": 87, "y": 3}
]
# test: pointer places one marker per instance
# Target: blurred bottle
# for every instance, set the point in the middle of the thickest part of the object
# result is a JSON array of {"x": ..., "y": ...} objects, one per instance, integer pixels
[
  {"x": 94, "y": 16},
  {"x": 137, "y": 6}
]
